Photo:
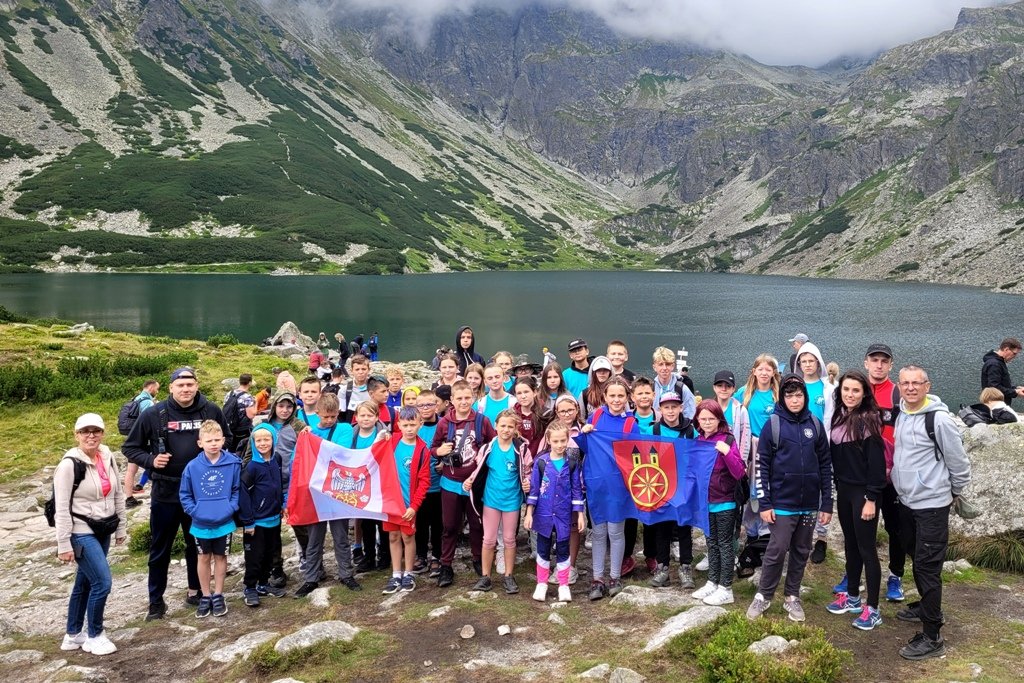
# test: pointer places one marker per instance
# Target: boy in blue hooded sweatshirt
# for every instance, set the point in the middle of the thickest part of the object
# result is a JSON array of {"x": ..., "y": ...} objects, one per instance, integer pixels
[
  {"x": 261, "y": 497},
  {"x": 209, "y": 495},
  {"x": 794, "y": 490}
]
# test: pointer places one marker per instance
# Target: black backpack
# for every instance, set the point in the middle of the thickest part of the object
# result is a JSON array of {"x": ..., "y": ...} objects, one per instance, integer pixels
[
  {"x": 128, "y": 415},
  {"x": 236, "y": 419},
  {"x": 50, "y": 506}
]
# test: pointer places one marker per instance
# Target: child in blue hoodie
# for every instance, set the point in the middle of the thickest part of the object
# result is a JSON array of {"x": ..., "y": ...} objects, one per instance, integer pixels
[
  {"x": 261, "y": 497},
  {"x": 209, "y": 495}
]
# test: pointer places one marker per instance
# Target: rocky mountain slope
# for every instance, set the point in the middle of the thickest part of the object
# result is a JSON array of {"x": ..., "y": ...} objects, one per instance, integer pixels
[{"x": 241, "y": 135}]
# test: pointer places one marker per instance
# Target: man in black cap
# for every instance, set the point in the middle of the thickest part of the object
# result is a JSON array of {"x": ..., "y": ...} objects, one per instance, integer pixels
[{"x": 577, "y": 375}]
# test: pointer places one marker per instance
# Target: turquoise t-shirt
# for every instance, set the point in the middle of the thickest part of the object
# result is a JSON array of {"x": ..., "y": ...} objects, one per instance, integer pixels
[
  {"x": 494, "y": 406},
  {"x": 559, "y": 464},
  {"x": 509, "y": 383},
  {"x": 575, "y": 382},
  {"x": 760, "y": 408},
  {"x": 728, "y": 414},
  {"x": 503, "y": 491},
  {"x": 645, "y": 424},
  {"x": 721, "y": 507},
  {"x": 363, "y": 441},
  {"x": 311, "y": 419},
  {"x": 216, "y": 532},
  {"x": 426, "y": 432},
  {"x": 816, "y": 399},
  {"x": 403, "y": 464},
  {"x": 341, "y": 434}
]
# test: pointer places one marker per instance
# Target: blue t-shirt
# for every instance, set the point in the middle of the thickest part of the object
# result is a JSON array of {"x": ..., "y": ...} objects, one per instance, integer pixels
[
  {"x": 363, "y": 441},
  {"x": 509, "y": 383},
  {"x": 728, "y": 414},
  {"x": 760, "y": 408},
  {"x": 403, "y": 464},
  {"x": 494, "y": 406},
  {"x": 426, "y": 432},
  {"x": 559, "y": 464},
  {"x": 816, "y": 399},
  {"x": 340, "y": 434},
  {"x": 645, "y": 424},
  {"x": 503, "y": 491},
  {"x": 311, "y": 419}
]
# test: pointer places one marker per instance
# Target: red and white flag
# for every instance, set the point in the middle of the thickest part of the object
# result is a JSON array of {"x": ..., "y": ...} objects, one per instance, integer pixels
[{"x": 333, "y": 482}]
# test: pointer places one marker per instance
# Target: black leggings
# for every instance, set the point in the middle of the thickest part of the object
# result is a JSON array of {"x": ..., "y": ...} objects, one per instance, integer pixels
[
  {"x": 429, "y": 527},
  {"x": 859, "y": 537},
  {"x": 892, "y": 512}
]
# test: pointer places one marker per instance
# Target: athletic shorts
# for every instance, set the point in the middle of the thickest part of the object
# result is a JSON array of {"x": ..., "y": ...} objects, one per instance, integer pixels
[
  {"x": 213, "y": 546},
  {"x": 408, "y": 530}
]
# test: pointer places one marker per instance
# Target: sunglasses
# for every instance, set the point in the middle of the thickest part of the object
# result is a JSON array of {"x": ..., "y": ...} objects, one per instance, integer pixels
[{"x": 90, "y": 431}]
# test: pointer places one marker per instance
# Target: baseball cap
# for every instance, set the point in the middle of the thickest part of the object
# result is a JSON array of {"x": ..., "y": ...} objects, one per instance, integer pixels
[
  {"x": 577, "y": 343},
  {"x": 89, "y": 420},
  {"x": 800, "y": 337},
  {"x": 670, "y": 396},
  {"x": 725, "y": 377},
  {"x": 600, "y": 363},
  {"x": 878, "y": 348},
  {"x": 183, "y": 373}
]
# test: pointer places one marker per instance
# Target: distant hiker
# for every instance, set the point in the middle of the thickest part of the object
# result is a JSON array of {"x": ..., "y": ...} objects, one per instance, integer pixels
[
  {"x": 549, "y": 357},
  {"x": 373, "y": 344},
  {"x": 796, "y": 342},
  {"x": 344, "y": 352},
  {"x": 994, "y": 372},
  {"x": 1000, "y": 413},
  {"x": 318, "y": 364},
  {"x": 239, "y": 410},
  {"x": 143, "y": 402},
  {"x": 930, "y": 470},
  {"x": 323, "y": 343},
  {"x": 465, "y": 348},
  {"x": 438, "y": 355},
  {"x": 87, "y": 515}
]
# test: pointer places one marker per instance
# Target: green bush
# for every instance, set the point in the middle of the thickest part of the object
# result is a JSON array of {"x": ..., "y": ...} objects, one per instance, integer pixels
[
  {"x": 218, "y": 340},
  {"x": 51, "y": 346},
  {"x": 11, "y": 317},
  {"x": 141, "y": 536},
  {"x": 1002, "y": 552}
]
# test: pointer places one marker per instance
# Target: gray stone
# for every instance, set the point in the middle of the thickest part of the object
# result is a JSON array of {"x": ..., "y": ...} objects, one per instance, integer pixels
[
  {"x": 504, "y": 630},
  {"x": 623, "y": 675},
  {"x": 284, "y": 350},
  {"x": 89, "y": 674},
  {"x": 124, "y": 634},
  {"x": 642, "y": 596},
  {"x": 314, "y": 633},
  {"x": 26, "y": 504},
  {"x": 481, "y": 595},
  {"x": 559, "y": 605},
  {"x": 55, "y": 665},
  {"x": 996, "y": 479},
  {"x": 949, "y": 567},
  {"x": 289, "y": 333},
  {"x": 769, "y": 645},
  {"x": 976, "y": 670},
  {"x": 963, "y": 565},
  {"x": 286, "y": 680},
  {"x": 390, "y": 602},
  {"x": 243, "y": 647},
  {"x": 474, "y": 664},
  {"x": 600, "y": 671},
  {"x": 467, "y": 632},
  {"x": 683, "y": 622},
  {"x": 21, "y": 657},
  {"x": 556, "y": 618},
  {"x": 439, "y": 612},
  {"x": 321, "y": 597}
]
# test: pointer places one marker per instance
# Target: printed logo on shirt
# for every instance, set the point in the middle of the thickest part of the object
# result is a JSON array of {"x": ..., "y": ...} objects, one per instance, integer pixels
[
  {"x": 407, "y": 464},
  {"x": 769, "y": 409},
  {"x": 819, "y": 401},
  {"x": 184, "y": 426},
  {"x": 808, "y": 433},
  {"x": 886, "y": 416},
  {"x": 212, "y": 483}
]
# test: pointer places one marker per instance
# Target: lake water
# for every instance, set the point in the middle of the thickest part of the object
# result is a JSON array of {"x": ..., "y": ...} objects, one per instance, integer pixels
[{"x": 724, "y": 321}]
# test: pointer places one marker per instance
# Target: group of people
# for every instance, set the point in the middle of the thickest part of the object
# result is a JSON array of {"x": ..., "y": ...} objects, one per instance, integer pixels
[{"x": 490, "y": 437}]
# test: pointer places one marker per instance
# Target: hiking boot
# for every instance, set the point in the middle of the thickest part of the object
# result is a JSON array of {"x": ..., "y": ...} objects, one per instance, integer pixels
[
  {"x": 818, "y": 554},
  {"x": 157, "y": 610},
  {"x": 722, "y": 596},
  {"x": 420, "y": 566},
  {"x": 912, "y": 613},
  {"x": 511, "y": 587},
  {"x": 351, "y": 583},
  {"x": 435, "y": 569},
  {"x": 564, "y": 594},
  {"x": 540, "y": 593},
  {"x": 100, "y": 645},
  {"x": 704, "y": 591},
  {"x": 273, "y": 591},
  {"x": 73, "y": 642},
  {"x": 841, "y": 587},
  {"x": 478, "y": 568},
  {"x": 661, "y": 578},
  {"x": 628, "y": 565},
  {"x": 894, "y": 589},
  {"x": 446, "y": 577},
  {"x": 794, "y": 609},
  {"x": 220, "y": 608},
  {"x": 393, "y": 585},
  {"x": 651, "y": 564},
  {"x": 923, "y": 647},
  {"x": 205, "y": 607},
  {"x": 758, "y": 606},
  {"x": 306, "y": 588},
  {"x": 686, "y": 577},
  {"x": 868, "y": 619},
  {"x": 845, "y": 603},
  {"x": 251, "y": 597},
  {"x": 614, "y": 587},
  {"x": 408, "y": 583},
  {"x": 553, "y": 577},
  {"x": 483, "y": 584},
  {"x": 131, "y": 502},
  {"x": 193, "y": 599},
  {"x": 598, "y": 590}
]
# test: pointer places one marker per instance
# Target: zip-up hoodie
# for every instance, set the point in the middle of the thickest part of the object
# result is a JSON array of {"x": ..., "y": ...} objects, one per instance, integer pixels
[
  {"x": 740, "y": 429},
  {"x": 209, "y": 491},
  {"x": 89, "y": 500},
  {"x": 799, "y": 475},
  {"x": 728, "y": 469},
  {"x": 261, "y": 495},
  {"x": 471, "y": 447},
  {"x": 828, "y": 389},
  {"x": 922, "y": 477},
  {"x": 466, "y": 356}
]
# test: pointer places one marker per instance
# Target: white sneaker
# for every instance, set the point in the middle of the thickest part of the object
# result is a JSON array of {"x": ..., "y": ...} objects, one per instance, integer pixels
[
  {"x": 574, "y": 576},
  {"x": 721, "y": 596},
  {"x": 540, "y": 593},
  {"x": 499, "y": 563},
  {"x": 564, "y": 594},
  {"x": 100, "y": 645},
  {"x": 703, "y": 592},
  {"x": 702, "y": 566},
  {"x": 73, "y": 642}
]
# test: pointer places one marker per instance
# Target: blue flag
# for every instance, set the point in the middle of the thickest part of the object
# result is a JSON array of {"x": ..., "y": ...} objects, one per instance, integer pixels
[{"x": 650, "y": 478}]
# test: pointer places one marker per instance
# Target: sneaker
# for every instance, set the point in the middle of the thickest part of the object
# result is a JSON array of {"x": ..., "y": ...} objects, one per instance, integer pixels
[
  {"x": 278, "y": 581},
  {"x": 306, "y": 588},
  {"x": 651, "y": 564},
  {"x": 923, "y": 647},
  {"x": 574, "y": 576},
  {"x": 628, "y": 565},
  {"x": 483, "y": 584},
  {"x": 598, "y": 590},
  {"x": 499, "y": 562},
  {"x": 138, "y": 488},
  {"x": 351, "y": 583},
  {"x": 868, "y": 619},
  {"x": 205, "y": 607},
  {"x": 251, "y": 597},
  {"x": 702, "y": 566},
  {"x": 841, "y": 587},
  {"x": 273, "y": 591},
  {"x": 794, "y": 609},
  {"x": 419, "y": 566},
  {"x": 511, "y": 587},
  {"x": 408, "y": 583},
  {"x": 435, "y": 569},
  {"x": 614, "y": 587},
  {"x": 704, "y": 591},
  {"x": 131, "y": 502},
  {"x": 686, "y": 577},
  {"x": 220, "y": 608},
  {"x": 912, "y": 612},
  {"x": 445, "y": 577},
  {"x": 845, "y": 603},
  {"x": 758, "y": 606},
  {"x": 818, "y": 554},
  {"x": 193, "y": 599},
  {"x": 478, "y": 568},
  {"x": 157, "y": 610},
  {"x": 100, "y": 645},
  {"x": 894, "y": 589},
  {"x": 564, "y": 594},
  {"x": 392, "y": 586},
  {"x": 73, "y": 642},
  {"x": 540, "y": 593},
  {"x": 721, "y": 596},
  {"x": 357, "y": 554},
  {"x": 660, "y": 579},
  {"x": 553, "y": 578}
]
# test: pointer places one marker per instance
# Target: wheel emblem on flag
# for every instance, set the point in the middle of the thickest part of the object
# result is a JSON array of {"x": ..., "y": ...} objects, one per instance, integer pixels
[
  {"x": 649, "y": 471},
  {"x": 348, "y": 485}
]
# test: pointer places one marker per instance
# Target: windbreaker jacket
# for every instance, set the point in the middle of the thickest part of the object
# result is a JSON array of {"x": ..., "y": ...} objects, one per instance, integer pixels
[
  {"x": 994, "y": 373},
  {"x": 924, "y": 478},
  {"x": 555, "y": 496},
  {"x": 261, "y": 495},
  {"x": 728, "y": 469},
  {"x": 209, "y": 491}
]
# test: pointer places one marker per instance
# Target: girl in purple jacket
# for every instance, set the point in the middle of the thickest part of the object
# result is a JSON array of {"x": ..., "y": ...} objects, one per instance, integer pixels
[
  {"x": 721, "y": 503},
  {"x": 556, "y": 497}
]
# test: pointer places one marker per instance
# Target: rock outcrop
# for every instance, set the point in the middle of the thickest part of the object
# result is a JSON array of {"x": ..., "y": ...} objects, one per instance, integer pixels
[{"x": 997, "y": 479}]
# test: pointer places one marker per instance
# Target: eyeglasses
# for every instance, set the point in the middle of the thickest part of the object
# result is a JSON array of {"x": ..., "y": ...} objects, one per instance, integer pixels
[
  {"x": 91, "y": 431},
  {"x": 568, "y": 411},
  {"x": 912, "y": 385}
]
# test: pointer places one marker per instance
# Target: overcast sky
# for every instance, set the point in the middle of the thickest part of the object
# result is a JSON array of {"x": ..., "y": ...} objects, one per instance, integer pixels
[{"x": 809, "y": 32}]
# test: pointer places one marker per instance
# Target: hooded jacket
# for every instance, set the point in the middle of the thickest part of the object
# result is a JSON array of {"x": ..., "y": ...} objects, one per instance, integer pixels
[
  {"x": 209, "y": 491},
  {"x": 466, "y": 356},
  {"x": 924, "y": 478},
  {"x": 524, "y": 465},
  {"x": 994, "y": 373},
  {"x": 728, "y": 470},
  {"x": 798, "y": 476},
  {"x": 828, "y": 389},
  {"x": 470, "y": 445},
  {"x": 261, "y": 495}
]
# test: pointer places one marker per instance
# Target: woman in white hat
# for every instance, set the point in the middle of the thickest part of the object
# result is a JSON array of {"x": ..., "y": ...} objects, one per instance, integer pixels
[{"x": 89, "y": 503}]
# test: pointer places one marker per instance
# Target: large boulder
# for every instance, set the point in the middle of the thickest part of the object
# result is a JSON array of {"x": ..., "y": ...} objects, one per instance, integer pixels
[
  {"x": 683, "y": 622},
  {"x": 997, "y": 479},
  {"x": 290, "y": 334},
  {"x": 314, "y": 633}
]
